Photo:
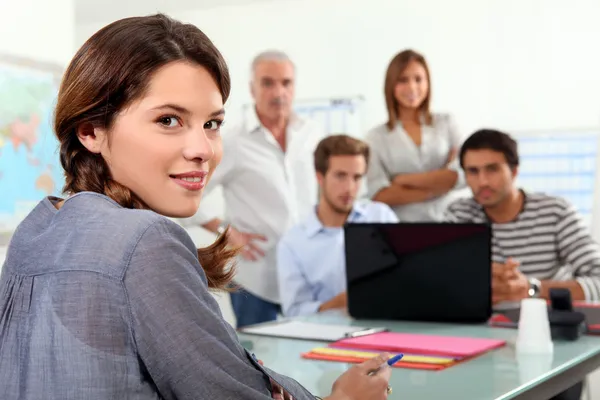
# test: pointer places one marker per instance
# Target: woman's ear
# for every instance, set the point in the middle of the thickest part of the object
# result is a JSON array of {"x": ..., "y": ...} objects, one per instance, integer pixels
[{"x": 91, "y": 138}]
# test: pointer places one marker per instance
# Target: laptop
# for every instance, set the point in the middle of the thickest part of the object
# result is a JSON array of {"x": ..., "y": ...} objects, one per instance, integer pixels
[{"x": 437, "y": 272}]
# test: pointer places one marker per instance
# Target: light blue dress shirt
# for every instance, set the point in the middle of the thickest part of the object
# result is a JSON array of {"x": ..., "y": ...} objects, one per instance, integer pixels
[{"x": 311, "y": 261}]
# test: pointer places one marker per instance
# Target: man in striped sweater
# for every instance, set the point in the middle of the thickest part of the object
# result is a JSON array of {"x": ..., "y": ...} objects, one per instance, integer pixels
[{"x": 539, "y": 241}]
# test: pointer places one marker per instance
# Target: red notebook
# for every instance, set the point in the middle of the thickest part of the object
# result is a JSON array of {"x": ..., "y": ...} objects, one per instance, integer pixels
[{"x": 422, "y": 344}]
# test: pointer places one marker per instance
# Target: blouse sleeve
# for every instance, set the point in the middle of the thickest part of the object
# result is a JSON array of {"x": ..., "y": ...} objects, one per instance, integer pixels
[
  {"x": 456, "y": 141},
  {"x": 377, "y": 175},
  {"x": 188, "y": 349}
]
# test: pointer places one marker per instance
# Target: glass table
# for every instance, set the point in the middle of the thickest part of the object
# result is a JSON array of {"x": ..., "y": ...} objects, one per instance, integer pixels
[{"x": 499, "y": 375}]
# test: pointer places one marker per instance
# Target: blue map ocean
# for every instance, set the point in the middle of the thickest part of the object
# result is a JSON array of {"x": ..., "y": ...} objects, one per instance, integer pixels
[{"x": 27, "y": 175}]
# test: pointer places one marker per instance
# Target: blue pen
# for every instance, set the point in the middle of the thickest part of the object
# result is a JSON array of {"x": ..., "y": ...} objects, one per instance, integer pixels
[
  {"x": 391, "y": 361},
  {"x": 395, "y": 359}
]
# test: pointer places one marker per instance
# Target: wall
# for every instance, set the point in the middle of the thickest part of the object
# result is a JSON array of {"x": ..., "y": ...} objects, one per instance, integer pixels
[
  {"x": 38, "y": 30},
  {"x": 505, "y": 63},
  {"x": 513, "y": 64},
  {"x": 510, "y": 64}
]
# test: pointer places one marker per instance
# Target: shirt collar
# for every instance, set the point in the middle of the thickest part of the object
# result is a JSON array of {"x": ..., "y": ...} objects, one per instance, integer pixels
[
  {"x": 488, "y": 219},
  {"x": 253, "y": 124},
  {"x": 313, "y": 225}
]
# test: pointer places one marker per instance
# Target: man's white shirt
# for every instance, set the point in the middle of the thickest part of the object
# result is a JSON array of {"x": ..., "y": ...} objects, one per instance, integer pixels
[{"x": 265, "y": 190}]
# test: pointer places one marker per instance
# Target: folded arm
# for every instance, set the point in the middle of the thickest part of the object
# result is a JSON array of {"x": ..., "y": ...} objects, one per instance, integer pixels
[
  {"x": 438, "y": 182},
  {"x": 396, "y": 195},
  {"x": 382, "y": 189}
]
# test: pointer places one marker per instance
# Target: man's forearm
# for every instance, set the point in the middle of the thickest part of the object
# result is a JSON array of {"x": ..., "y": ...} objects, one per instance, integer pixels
[
  {"x": 439, "y": 181},
  {"x": 574, "y": 287},
  {"x": 213, "y": 225},
  {"x": 339, "y": 301},
  {"x": 328, "y": 305}
]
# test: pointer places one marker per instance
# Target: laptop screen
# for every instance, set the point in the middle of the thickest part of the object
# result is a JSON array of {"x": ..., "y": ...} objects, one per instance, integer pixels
[{"x": 419, "y": 271}]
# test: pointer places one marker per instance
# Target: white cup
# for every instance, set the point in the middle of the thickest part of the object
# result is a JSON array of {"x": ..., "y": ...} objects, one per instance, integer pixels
[
  {"x": 532, "y": 366},
  {"x": 534, "y": 328}
]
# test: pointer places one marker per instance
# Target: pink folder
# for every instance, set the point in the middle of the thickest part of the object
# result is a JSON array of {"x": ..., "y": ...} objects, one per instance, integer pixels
[{"x": 422, "y": 344}]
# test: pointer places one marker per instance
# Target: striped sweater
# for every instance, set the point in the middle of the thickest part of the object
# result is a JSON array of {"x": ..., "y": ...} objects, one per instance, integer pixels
[{"x": 548, "y": 238}]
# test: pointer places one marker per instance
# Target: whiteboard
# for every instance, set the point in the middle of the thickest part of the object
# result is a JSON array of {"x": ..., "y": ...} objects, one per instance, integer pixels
[
  {"x": 336, "y": 115},
  {"x": 562, "y": 163}
]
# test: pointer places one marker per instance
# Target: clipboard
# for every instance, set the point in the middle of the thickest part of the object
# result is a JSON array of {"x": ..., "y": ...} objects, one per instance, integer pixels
[{"x": 293, "y": 329}]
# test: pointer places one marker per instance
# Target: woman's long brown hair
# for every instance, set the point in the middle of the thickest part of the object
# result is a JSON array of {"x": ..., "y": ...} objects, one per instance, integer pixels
[
  {"x": 395, "y": 69},
  {"x": 110, "y": 71}
]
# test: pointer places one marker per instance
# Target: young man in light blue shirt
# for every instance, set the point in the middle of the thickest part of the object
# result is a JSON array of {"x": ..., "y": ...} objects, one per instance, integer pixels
[{"x": 310, "y": 257}]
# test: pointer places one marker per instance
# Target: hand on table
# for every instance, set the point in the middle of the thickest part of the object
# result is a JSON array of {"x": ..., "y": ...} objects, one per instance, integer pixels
[
  {"x": 246, "y": 242},
  {"x": 508, "y": 283},
  {"x": 354, "y": 384},
  {"x": 357, "y": 384}
]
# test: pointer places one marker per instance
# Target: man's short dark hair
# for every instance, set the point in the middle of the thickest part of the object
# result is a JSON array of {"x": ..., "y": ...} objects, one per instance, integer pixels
[{"x": 490, "y": 139}]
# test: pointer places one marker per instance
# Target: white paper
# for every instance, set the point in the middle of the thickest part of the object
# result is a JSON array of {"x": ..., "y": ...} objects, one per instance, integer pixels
[{"x": 303, "y": 330}]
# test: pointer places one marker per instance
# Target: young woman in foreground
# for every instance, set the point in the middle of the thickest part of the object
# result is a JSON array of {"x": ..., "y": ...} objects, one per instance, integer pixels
[{"x": 101, "y": 296}]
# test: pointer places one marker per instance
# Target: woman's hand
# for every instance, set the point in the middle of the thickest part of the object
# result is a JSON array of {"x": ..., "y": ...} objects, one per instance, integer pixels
[
  {"x": 363, "y": 381},
  {"x": 277, "y": 393},
  {"x": 357, "y": 384},
  {"x": 400, "y": 180}
]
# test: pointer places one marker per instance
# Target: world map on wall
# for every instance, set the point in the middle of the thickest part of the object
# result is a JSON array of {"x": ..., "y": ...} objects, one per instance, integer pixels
[{"x": 29, "y": 161}]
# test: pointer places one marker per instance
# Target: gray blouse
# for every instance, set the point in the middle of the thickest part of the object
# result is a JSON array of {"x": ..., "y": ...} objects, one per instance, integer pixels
[
  {"x": 394, "y": 153},
  {"x": 102, "y": 302}
]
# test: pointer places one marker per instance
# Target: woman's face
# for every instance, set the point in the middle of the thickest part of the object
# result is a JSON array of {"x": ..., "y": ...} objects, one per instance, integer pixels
[
  {"x": 165, "y": 146},
  {"x": 412, "y": 87}
]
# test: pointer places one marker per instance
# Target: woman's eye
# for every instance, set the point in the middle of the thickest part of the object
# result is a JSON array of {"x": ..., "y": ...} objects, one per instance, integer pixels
[
  {"x": 169, "y": 121},
  {"x": 213, "y": 125}
]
